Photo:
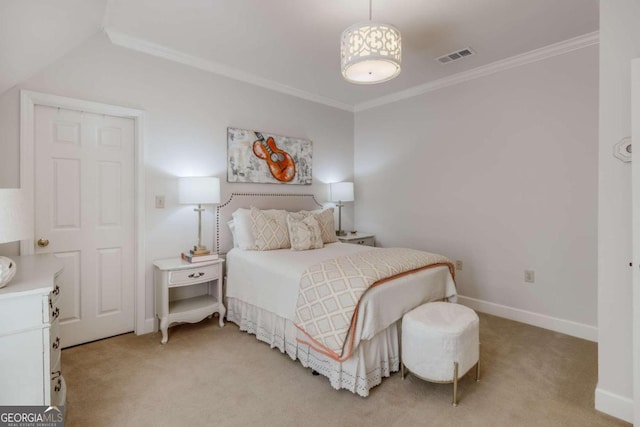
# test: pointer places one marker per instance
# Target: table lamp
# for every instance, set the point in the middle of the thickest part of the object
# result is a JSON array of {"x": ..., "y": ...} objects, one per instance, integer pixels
[
  {"x": 341, "y": 192},
  {"x": 199, "y": 190},
  {"x": 15, "y": 224}
]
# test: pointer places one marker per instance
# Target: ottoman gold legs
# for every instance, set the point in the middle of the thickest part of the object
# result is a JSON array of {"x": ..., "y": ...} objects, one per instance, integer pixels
[
  {"x": 455, "y": 384},
  {"x": 454, "y": 402}
]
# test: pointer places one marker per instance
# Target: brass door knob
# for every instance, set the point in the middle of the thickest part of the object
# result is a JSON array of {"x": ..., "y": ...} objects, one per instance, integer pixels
[{"x": 43, "y": 243}]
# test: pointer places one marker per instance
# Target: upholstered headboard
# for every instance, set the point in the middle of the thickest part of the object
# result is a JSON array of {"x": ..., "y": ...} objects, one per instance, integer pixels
[{"x": 286, "y": 201}]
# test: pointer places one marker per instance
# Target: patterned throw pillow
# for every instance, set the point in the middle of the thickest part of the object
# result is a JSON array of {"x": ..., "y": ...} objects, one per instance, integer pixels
[
  {"x": 269, "y": 229},
  {"x": 304, "y": 233},
  {"x": 326, "y": 223}
]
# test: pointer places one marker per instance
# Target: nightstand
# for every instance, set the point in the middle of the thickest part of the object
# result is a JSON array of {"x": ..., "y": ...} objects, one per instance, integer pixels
[
  {"x": 187, "y": 292},
  {"x": 366, "y": 239}
]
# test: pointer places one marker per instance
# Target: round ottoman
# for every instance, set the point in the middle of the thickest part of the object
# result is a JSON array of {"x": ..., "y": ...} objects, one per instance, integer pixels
[{"x": 441, "y": 343}]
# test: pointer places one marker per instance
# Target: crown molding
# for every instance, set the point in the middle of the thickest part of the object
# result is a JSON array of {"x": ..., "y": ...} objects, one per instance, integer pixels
[
  {"x": 144, "y": 46},
  {"x": 485, "y": 70}
]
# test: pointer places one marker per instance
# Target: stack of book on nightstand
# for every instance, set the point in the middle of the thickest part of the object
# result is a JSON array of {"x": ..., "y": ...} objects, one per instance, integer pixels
[{"x": 199, "y": 255}]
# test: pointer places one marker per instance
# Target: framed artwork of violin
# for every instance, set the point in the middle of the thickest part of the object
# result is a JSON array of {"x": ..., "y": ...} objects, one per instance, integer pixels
[{"x": 265, "y": 158}]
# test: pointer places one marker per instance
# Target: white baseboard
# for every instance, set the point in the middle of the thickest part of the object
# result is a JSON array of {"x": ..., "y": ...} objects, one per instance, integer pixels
[
  {"x": 614, "y": 405},
  {"x": 556, "y": 324}
]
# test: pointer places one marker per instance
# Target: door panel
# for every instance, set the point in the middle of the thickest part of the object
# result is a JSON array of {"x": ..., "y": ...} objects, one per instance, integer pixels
[
  {"x": 84, "y": 190},
  {"x": 109, "y": 281},
  {"x": 635, "y": 167}
]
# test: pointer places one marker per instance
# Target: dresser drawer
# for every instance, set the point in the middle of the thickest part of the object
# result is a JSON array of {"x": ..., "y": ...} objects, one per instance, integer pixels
[
  {"x": 54, "y": 343},
  {"x": 195, "y": 274},
  {"x": 58, "y": 392},
  {"x": 58, "y": 389},
  {"x": 22, "y": 313},
  {"x": 55, "y": 293}
]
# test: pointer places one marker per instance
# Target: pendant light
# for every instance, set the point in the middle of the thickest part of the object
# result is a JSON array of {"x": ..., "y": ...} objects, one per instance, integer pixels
[{"x": 371, "y": 52}]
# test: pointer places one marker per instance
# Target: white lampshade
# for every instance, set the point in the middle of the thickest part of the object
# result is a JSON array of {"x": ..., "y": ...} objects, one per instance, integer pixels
[
  {"x": 371, "y": 52},
  {"x": 197, "y": 190},
  {"x": 16, "y": 222},
  {"x": 341, "y": 192}
]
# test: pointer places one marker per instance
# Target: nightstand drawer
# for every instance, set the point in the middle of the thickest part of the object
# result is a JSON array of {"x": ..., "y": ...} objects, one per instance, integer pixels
[
  {"x": 195, "y": 274},
  {"x": 364, "y": 239},
  {"x": 366, "y": 242}
]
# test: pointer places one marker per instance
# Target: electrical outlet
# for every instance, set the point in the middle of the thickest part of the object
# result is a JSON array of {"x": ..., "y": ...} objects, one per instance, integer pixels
[
  {"x": 458, "y": 265},
  {"x": 529, "y": 276},
  {"x": 159, "y": 202}
]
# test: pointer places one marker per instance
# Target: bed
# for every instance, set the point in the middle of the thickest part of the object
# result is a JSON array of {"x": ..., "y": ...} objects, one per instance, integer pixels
[{"x": 262, "y": 292}]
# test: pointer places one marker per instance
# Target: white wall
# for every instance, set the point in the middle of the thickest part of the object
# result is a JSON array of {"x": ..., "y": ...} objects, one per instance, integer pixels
[
  {"x": 619, "y": 43},
  {"x": 187, "y": 114},
  {"x": 501, "y": 173}
]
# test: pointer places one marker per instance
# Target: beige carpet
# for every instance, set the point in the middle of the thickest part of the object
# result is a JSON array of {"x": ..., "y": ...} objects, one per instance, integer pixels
[{"x": 207, "y": 376}]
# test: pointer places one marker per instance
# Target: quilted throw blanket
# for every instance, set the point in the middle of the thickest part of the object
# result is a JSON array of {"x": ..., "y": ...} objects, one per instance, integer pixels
[{"x": 330, "y": 293}]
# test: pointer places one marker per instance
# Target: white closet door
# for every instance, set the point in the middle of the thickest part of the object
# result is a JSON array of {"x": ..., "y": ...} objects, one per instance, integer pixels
[
  {"x": 84, "y": 194},
  {"x": 635, "y": 167}
]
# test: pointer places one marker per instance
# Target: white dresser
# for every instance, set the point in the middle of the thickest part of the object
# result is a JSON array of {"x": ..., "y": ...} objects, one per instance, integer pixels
[{"x": 30, "y": 369}]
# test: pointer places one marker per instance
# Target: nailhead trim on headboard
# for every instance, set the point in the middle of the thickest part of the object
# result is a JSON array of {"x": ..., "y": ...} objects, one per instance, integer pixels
[{"x": 313, "y": 197}]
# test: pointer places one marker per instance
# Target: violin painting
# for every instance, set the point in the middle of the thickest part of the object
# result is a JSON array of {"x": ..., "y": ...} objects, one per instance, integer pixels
[{"x": 259, "y": 157}]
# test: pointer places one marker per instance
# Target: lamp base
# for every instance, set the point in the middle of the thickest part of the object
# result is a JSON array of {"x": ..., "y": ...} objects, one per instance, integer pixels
[
  {"x": 7, "y": 270},
  {"x": 200, "y": 250},
  {"x": 341, "y": 233}
]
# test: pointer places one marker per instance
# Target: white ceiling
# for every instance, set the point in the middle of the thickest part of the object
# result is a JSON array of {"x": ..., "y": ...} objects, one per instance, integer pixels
[{"x": 293, "y": 44}]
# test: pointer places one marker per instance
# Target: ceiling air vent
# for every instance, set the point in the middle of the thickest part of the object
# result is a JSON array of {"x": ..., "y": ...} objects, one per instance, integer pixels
[{"x": 454, "y": 56}]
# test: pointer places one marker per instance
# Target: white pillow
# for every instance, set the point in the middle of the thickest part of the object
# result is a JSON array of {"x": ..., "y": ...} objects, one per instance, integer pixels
[
  {"x": 326, "y": 224},
  {"x": 304, "y": 233},
  {"x": 243, "y": 235},
  {"x": 232, "y": 227},
  {"x": 269, "y": 229}
]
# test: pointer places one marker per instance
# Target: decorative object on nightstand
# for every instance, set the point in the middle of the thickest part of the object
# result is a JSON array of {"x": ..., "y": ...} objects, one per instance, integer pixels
[
  {"x": 178, "y": 296},
  {"x": 366, "y": 239},
  {"x": 199, "y": 190},
  {"x": 15, "y": 224},
  {"x": 341, "y": 192}
]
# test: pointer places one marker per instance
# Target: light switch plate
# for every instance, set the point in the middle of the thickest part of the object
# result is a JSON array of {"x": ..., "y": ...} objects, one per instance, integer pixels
[{"x": 159, "y": 202}]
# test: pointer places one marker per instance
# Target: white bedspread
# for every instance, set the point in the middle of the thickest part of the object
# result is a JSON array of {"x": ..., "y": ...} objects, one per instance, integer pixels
[{"x": 270, "y": 280}]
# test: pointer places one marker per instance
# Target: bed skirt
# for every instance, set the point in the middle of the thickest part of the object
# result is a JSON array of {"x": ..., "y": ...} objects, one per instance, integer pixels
[{"x": 369, "y": 363}]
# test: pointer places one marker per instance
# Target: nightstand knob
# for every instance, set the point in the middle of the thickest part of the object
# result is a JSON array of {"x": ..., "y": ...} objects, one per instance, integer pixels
[{"x": 195, "y": 275}]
